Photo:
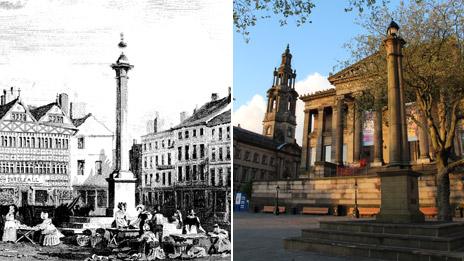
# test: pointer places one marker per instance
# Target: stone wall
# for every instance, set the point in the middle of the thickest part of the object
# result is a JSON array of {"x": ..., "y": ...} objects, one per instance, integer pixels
[{"x": 341, "y": 191}]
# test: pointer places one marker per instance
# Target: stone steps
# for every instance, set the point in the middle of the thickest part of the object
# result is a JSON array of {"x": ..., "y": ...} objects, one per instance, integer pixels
[
  {"x": 340, "y": 248},
  {"x": 450, "y": 243},
  {"x": 422, "y": 241}
]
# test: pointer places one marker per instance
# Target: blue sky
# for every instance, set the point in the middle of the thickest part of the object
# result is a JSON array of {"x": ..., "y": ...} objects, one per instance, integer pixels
[{"x": 316, "y": 47}]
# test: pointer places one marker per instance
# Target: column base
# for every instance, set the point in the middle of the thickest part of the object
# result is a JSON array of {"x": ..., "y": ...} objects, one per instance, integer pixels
[
  {"x": 424, "y": 160},
  {"x": 399, "y": 196},
  {"x": 377, "y": 164},
  {"x": 121, "y": 188}
]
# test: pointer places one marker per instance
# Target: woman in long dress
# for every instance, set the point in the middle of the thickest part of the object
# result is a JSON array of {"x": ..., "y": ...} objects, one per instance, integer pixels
[
  {"x": 51, "y": 235},
  {"x": 11, "y": 224}
]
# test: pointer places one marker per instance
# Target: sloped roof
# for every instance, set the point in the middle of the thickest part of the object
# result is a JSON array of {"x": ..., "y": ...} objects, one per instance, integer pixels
[
  {"x": 39, "y": 112},
  {"x": 200, "y": 115},
  {"x": 78, "y": 122},
  {"x": 254, "y": 138},
  {"x": 220, "y": 119},
  {"x": 5, "y": 108}
]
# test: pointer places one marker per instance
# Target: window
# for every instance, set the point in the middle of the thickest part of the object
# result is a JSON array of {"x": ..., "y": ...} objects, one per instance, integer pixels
[
  {"x": 186, "y": 134},
  {"x": 162, "y": 159},
  {"x": 213, "y": 177},
  {"x": 54, "y": 118},
  {"x": 101, "y": 199},
  {"x": 247, "y": 155},
  {"x": 98, "y": 167},
  {"x": 213, "y": 154},
  {"x": 179, "y": 173},
  {"x": 194, "y": 134},
  {"x": 264, "y": 160},
  {"x": 220, "y": 133},
  {"x": 179, "y": 153},
  {"x": 169, "y": 158},
  {"x": 187, "y": 173},
  {"x": 144, "y": 146},
  {"x": 202, "y": 172},
  {"x": 186, "y": 152},
  {"x": 156, "y": 145},
  {"x": 202, "y": 151},
  {"x": 194, "y": 152},
  {"x": 327, "y": 153},
  {"x": 41, "y": 196},
  {"x": 162, "y": 144},
  {"x": 80, "y": 167},
  {"x": 156, "y": 160},
  {"x": 228, "y": 132},
  {"x": 272, "y": 161},
  {"x": 157, "y": 177},
  {"x": 201, "y": 131},
  {"x": 151, "y": 162},
  {"x": 145, "y": 162},
  {"x": 179, "y": 134},
  {"x": 18, "y": 116},
  {"x": 149, "y": 146},
  {"x": 164, "y": 178},
  {"x": 256, "y": 158},
  {"x": 80, "y": 143},
  {"x": 212, "y": 133},
  {"x": 220, "y": 153},
  {"x": 228, "y": 153},
  {"x": 220, "y": 178},
  {"x": 169, "y": 178},
  {"x": 194, "y": 172}
]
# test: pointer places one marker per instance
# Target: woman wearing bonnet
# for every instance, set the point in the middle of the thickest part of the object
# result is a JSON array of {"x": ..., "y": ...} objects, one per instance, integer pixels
[{"x": 51, "y": 235}]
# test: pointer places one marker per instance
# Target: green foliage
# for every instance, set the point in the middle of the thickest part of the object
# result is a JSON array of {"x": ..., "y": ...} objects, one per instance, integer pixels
[{"x": 248, "y": 12}]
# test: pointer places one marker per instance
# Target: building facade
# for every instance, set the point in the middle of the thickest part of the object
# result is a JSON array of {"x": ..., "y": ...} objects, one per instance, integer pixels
[
  {"x": 274, "y": 154},
  {"x": 91, "y": 162},
  {"x": 337, "y": 136},
  {"x": 188, "y": 166},
  {"x": 35, "y": 146}
]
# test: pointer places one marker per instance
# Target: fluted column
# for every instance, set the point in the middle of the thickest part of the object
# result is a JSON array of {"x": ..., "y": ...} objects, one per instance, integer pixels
[
  {"x": 424, "y": 156},
  {"x": 337, "y": 131},
  {"x": 378, "y": 138},
  {"x": 357, "y": 135},
  {"x": 305, "y": 144},
  {"x": 320, "y": 124}
]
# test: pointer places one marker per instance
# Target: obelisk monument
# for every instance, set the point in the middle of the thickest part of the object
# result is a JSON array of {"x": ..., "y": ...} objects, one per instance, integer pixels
[
  {"x": 399, "y": 187},
  {"x": 121, "y": 183}
]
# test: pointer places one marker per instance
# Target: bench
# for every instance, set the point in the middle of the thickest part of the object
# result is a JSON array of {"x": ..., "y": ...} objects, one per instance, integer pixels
[
  {"x": 365, "y": 212},
  {"x": 271, "y": 209},
  {"x": 315, "y": 211},
  {"x": 429, "y": 211}
]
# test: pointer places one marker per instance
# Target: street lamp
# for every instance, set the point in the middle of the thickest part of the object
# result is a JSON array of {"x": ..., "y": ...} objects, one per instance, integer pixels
[
  {"x": 356, "y": 210},
  {"x": 277, "y": 201},
  {"x": 393, "y": 29}
]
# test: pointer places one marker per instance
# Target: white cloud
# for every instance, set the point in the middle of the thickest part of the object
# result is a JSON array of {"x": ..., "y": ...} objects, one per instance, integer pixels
[{"x": 250, "y": 115}]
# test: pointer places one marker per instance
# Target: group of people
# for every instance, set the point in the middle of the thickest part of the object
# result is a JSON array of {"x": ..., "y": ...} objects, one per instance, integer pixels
[
  {"x": 49, "y": 234},
  {"x": 156, "y": 231}
]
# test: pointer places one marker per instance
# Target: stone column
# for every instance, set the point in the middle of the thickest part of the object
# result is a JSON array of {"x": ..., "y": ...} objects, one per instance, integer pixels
[
  {"x": 424, "y": 156},
  {"x": 305, "y": 144},
  {"x": 399, "y": 186},
  {"x": 378, "y": 138},
  {"x": 121, "y": 183},
  {"x": 404, "y": 123},
  {"x": 337, "y": 131},
  {"x": 320, "y": 125},
  {"x": 357, "y": 134}
]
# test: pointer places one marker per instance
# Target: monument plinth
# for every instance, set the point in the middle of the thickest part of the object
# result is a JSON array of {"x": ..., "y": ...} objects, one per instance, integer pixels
[{"x": 121, "y": 183}]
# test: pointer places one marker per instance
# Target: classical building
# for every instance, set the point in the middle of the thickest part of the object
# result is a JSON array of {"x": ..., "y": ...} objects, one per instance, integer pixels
[
  {"x": 188, "y": 166},
  {"x": 336, "y": 134},
  {"x": 34, "y": 152},
  {"x": 274, "y": 154},
  {"x": 91, "y": 162}
]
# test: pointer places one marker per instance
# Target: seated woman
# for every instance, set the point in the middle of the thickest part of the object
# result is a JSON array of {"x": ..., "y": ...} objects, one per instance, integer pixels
[
  {"x": 150, "y": 246},
  {"x": 192, "y": 224},
  {"x": 51, "y": 235},
  {"x": 120, "y": 219},
  {"x": 11, "y": 224},
  {"x": 222, "y": 244}
]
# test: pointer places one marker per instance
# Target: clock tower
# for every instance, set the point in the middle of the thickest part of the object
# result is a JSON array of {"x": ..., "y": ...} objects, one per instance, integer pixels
[{"x": 280, "y": 121}]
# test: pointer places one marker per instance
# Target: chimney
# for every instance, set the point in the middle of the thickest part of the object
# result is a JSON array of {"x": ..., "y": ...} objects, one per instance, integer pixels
[
  {"x": 63, "y": 102},
  {"x": 155, "y": 125},
  {"x": 214, "y": 96},
  {"x": 183, "y": 116}
]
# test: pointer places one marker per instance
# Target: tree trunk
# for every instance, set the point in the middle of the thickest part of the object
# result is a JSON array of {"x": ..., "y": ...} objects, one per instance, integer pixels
[{"x": 443, "y": 190}]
